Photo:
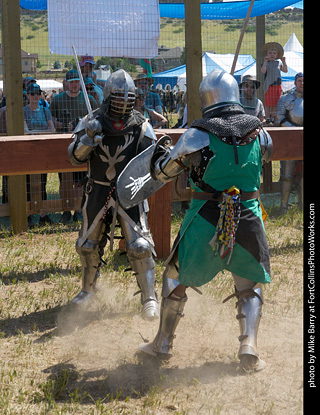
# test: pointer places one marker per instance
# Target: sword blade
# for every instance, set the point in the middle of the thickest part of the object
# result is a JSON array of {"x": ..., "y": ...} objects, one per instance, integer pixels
[{"x": 85, "y": 93}]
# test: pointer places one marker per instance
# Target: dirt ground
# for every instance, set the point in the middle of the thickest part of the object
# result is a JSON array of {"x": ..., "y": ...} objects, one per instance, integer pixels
[{"x": 95, "y": 355}]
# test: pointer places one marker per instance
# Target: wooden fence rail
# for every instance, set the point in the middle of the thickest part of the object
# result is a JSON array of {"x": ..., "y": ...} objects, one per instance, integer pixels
[{"x": 21, "y": 155}]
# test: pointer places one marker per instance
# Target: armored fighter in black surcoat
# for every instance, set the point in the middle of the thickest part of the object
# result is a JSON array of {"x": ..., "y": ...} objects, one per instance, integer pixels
[{"x": 107, "y": 142}]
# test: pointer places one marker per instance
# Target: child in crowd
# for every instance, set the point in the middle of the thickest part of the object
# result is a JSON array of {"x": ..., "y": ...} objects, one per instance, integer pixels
[{"x": 274, "y": 63}]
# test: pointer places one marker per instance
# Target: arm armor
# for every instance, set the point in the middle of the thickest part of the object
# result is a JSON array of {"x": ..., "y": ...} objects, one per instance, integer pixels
[
  {"x": 169, "y": 162},
  {"x": 266, "y": 145},
  {"x": 149, "y": 133},
  {"x": 82, "y": 146}
]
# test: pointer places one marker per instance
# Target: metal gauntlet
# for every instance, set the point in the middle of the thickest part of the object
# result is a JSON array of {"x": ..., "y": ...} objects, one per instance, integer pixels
[
  {"x": 162, "y": 167},
  {"x": 80, "y": 149}
]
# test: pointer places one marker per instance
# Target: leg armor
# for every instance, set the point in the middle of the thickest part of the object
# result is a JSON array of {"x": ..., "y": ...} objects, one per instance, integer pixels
[
  {"x": 171, "y": 313},
  {"x": 139, "y": 254},
  {"x": 90, "y": 255},
  {"x": 249, "y": 307},
  {"x": 286, "y": 184}
]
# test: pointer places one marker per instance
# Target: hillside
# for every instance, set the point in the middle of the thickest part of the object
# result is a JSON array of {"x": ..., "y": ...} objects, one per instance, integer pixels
[{"x": 218, "y": 36}]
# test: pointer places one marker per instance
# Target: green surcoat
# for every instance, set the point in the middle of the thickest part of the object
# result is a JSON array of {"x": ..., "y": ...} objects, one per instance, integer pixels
[{"x": 198, "y": 263}]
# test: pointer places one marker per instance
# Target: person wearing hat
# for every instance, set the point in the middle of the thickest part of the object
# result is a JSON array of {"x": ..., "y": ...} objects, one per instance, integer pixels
[
  {"x": 67, "y": 109},
  {"x": 93, "y": 89},
  {"x": 69, "y": 106},
  {"x": 274, "y": 63},
  {"x": 37, "y": 120},
  {"x": 152, "y": 99},
  {"x": 251, "y": 104},
  {"x": 290, "y": 114},
  {"x": 86, "y": 65}
]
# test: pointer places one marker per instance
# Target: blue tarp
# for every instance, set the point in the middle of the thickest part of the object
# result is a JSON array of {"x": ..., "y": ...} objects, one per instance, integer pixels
[
  {"x": 214, "y": 11},
  {"x": 34, "y": 4},
  {"x": 229, "y": 10}
]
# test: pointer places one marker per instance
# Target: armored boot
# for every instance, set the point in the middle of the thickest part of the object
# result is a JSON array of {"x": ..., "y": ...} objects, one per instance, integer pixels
[
  {"x": 170, "y": 315},
  {"x": 145, "y": 275},
  {"x": 90, "y": 261},
  {"x": 249, "y": 307}
]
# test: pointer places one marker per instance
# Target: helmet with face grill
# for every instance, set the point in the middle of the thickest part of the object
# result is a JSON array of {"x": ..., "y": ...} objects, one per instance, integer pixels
[{"x": 119, "y": 94}]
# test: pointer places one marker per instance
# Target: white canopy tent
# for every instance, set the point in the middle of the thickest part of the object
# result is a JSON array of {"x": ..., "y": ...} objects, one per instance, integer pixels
[
  {"x": 50, "y": 84},
  {"x": 45, "y": 84},
  {"x": 293, "y": 44},
  {"x": 210, "y": 61}
]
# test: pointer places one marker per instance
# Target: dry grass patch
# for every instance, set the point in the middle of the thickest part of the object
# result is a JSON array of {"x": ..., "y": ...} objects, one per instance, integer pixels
[{"x": 55, "y": 360}]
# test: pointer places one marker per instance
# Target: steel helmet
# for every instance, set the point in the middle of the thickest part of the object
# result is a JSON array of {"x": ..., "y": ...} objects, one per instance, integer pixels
[
  {"x": 218, "y": 89},
  {"x": 119, "y": 94}
]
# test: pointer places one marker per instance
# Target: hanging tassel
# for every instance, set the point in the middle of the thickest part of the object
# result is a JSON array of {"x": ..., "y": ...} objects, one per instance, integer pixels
[{"x": 224, "y": 238}]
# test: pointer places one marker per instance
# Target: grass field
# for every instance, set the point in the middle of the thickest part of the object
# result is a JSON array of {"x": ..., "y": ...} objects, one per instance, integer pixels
[{"x": 55, "y": 360}]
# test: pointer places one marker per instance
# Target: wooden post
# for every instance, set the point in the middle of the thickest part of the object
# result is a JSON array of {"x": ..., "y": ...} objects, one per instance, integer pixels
[
  {"x": 241, "y": 37},
  {"x": 260, "y": 41},
  {"x": 193, "y": 57},
  {"x": 159, "y": 219},
  {"x": 11, "y": 47}
]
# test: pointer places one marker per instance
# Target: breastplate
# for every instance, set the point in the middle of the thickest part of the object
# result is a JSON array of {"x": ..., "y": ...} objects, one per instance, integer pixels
[{"x": 295, "y": 112}]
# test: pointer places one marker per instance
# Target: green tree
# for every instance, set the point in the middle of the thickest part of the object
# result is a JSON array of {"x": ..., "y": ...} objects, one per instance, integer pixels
[{"x": 57, "y": 65}]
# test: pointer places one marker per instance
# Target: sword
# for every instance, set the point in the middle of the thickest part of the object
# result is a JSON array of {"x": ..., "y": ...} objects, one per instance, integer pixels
[{"x": 97, "y": 138}]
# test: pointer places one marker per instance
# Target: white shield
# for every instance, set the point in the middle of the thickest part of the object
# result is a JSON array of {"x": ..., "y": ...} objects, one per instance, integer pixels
[{"x": 135, "y": 183}]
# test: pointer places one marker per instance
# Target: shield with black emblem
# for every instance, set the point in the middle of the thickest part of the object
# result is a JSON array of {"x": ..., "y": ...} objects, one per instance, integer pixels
[{"x": 135, "y": 183}]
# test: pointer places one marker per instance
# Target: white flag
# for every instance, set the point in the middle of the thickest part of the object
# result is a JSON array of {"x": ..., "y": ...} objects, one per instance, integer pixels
[{"x": 114, "y": 28}]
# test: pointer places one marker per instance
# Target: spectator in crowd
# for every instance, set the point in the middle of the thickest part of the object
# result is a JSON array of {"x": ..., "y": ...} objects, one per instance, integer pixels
[
  {"x": 152, "y": 100},
  {"x": 290, "y": 114},
  {"x": 67, "y": 109},
  {"x": 251, "y": 104},
  {"x": 37, "y": 120},
  {"x": 274, "y": 63},
  {"x": 86, "y": 66},
  {"x": 94, "y": 90},
  {"x": 70, "y": 106},
  {"x": 157, "y": 120}
]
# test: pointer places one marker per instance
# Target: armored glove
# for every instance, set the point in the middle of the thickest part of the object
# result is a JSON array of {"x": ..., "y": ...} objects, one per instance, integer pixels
[
  {"x": 161, "y": 151},
  {"x": 93, "y": 129}
]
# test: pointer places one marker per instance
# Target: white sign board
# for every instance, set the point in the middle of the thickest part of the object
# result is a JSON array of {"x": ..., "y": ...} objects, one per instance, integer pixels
[{"x": 113, "y": 28}]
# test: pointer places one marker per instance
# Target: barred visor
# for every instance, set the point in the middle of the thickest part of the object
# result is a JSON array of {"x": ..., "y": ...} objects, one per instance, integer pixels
[{"x": 122, "y": 103}]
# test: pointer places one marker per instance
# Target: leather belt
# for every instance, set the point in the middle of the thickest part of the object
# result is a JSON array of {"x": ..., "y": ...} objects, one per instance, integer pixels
[{"x": 210, "y": 196}]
